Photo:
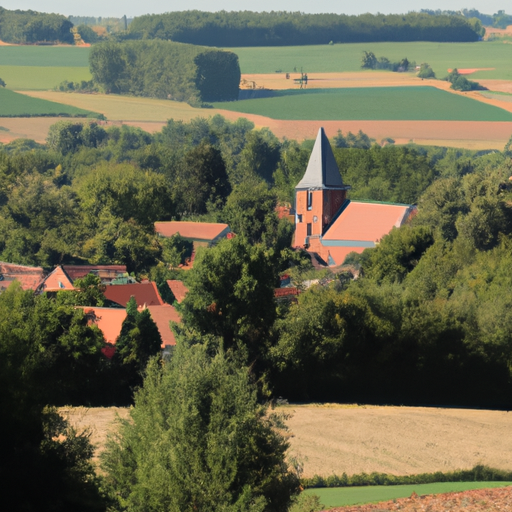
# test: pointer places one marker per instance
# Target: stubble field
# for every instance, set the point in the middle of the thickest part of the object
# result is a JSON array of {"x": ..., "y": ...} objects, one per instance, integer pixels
[{"x": 332, "y": 439}]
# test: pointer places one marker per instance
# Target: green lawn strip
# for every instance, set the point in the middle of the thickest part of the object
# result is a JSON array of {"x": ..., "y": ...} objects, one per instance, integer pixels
[
  {"x": 347, "y": 57},
  {"x": 40, "y": 78},
  {"x": 13, "y": 104},
  {"x": 344, "y": 496},
  {"x": 61, "y": 56},
  {"x": 369, "y": 103}
]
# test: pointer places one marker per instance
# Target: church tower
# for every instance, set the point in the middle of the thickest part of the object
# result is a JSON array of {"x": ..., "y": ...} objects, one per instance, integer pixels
[{"x": 319, "y": 195}]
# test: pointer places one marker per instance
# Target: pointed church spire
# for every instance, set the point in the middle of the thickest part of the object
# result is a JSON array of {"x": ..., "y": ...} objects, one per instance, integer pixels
[{"x": 322, "y": 171}]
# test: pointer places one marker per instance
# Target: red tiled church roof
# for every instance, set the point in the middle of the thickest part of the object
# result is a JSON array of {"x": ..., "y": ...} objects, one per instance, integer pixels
[
  {"x": 144, "y": 293},
  {"x": 367, "y": 221}
]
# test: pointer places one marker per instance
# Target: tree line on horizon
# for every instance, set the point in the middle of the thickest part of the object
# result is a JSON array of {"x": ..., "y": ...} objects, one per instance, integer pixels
[{"x": 245, "y": 28}]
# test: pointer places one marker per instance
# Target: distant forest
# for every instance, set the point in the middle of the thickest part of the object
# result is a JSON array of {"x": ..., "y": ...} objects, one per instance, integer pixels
[
  {"x": 245, "y": 28},
  {"x": 25, "y": 27},
  {"x": 498, "y": 20}
]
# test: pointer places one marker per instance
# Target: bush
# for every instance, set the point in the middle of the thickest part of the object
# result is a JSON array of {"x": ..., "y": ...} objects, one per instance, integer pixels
[{"x": 426, "y": 71}]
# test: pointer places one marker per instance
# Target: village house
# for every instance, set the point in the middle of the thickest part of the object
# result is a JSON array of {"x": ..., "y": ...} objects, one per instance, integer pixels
[
  {"x": 201, "y": 234},
  {"x": 329, "y": 225},
  {"x": 28, "y": 277}
]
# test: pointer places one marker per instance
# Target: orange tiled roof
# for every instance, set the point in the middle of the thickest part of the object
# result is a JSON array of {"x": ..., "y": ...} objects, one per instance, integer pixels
[
  {"x": 28, "y": 277},
  {"x": 192, "y": 230},
  {"x": 80, "y": 271},
  {"x": 178, "y": 289},
  {"x": 162, "y": 315},
  {"x": 367, "y": 221},
  {"x": 144, "y": 293},
  {"x": 338, "y": 254},
  {"x": 109, "y": 321},
  {"x": 56, "y": 281}
]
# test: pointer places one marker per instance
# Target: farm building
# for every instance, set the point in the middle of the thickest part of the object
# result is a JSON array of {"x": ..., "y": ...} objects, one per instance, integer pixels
[
  {"x": 330, "y": 226},
  {"x": 201, "y": 234},
  {"x": 28, "y": 277},
  {"x": 63, "y": 276}
]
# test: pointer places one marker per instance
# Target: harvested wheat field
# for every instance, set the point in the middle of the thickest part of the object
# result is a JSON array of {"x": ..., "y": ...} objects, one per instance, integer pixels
[
  {"x": 353, "y": 439},
  {"x": 398, "y": 440}
]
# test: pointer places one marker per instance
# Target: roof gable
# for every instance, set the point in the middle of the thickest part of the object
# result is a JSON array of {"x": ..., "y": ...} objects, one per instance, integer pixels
[
  {"x": 322, "y": 170},
  {"x": 109, "y": 321},
  {"x": 56, "y": 281}
]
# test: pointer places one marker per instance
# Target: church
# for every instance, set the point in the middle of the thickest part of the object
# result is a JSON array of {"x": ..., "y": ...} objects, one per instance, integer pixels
[{"x": 328, "y": 224}]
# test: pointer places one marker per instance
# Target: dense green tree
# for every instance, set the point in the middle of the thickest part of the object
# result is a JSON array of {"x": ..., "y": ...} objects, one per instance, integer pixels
[
  {"x": 199, "y": 440},
  {"x": 231, "y": 295},
  {"x": 201, "y": 179},
  {"x": 107, "y": 65}
]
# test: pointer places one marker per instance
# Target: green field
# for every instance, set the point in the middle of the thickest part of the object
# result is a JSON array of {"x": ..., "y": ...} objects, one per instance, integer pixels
[
  {"x": 344, "y": 496},
  {"x": 13, "y": 104},
  {"x": 58, "y": 56},
  {"x": 347, "y": 57},
  {"x": 40, "y": 78},
  {"x": 369, "y": 103},
  {"x": 42, "y": 67}
]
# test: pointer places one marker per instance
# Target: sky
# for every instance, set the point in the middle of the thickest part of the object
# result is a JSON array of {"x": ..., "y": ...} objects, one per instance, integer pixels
[{"x": 118, "y": 8}]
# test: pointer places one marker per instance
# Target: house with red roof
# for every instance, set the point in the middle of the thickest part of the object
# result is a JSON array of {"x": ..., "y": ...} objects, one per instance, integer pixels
[
  {"x": 63, "y": 276},
  {"x": 28, "y": 277},
  {"x": 178, "y": 289},
  {"x": 145, "y": 294},
  {"x": 110, "y": 322},
  {"x": 201, "y": 234},
  {"x": 328, "y": 224}
]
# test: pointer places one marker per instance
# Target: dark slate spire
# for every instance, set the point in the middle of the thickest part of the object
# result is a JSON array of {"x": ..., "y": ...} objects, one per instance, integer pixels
[{"x": 322, "y": 171}]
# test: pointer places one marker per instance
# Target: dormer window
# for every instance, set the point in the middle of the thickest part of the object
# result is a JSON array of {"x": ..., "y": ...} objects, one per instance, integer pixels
[{"x": 310, "y": 199}]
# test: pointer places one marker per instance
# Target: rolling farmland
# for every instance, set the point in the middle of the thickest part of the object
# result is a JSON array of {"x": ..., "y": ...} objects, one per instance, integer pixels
[
  {"x": 385, "y": 103},
  {"x": 347, "y": 57},
  {"x": 13, "y": 104}
]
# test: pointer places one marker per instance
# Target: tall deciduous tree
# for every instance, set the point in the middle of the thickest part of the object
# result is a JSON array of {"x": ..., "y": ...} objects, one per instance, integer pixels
[
  {"x": 231, "y": 294},
  {"x": 199, "y": 440}
]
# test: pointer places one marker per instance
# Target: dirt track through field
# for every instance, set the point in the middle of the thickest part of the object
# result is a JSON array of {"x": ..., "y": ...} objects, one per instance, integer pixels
[{"x": 353, "y": 439}]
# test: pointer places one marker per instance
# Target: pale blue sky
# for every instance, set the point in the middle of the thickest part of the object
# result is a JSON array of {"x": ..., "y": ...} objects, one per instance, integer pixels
[{"x": 132, "y": 8}]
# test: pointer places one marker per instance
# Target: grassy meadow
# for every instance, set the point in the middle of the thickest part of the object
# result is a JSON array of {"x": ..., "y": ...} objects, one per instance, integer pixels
[
  {"x": 13, "y": 104},
  {"x": 344, "y": 496},
  {"x": 347, "y": 57},
  {"x": 369, "y": 103}
]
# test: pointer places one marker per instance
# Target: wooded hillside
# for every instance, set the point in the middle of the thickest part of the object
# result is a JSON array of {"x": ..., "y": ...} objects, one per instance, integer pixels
[{"x": 245, "y": 28}]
